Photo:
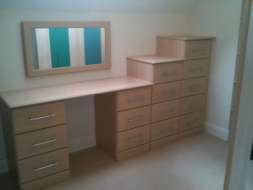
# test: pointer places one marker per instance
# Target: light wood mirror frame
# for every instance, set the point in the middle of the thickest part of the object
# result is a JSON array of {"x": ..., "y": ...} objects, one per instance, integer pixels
[{"x": 27, "y": 32}]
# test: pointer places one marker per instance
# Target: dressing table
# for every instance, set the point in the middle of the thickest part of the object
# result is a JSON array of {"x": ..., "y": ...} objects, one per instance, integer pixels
[
  {"x": 35, "y": 125},
  {"x": 162, "y": 99}
]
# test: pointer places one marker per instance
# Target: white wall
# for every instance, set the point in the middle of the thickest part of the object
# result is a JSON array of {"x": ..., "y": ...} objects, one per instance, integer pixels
[
  {"x": 132, "y": 33},
  {"x": 219, "y": 18}
]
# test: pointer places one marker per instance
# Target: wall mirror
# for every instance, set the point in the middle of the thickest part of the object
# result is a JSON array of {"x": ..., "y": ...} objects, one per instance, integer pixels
[{"x": 63, "y": 47}]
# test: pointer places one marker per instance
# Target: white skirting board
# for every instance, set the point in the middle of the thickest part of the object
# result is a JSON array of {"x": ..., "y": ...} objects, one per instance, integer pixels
[
  {"x": 217, "y": 131},
  {"x": 3, "y": 166}
]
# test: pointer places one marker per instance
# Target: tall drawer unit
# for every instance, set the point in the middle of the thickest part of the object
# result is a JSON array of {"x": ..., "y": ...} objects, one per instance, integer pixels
[
  {"x": 125, "y": 132},
  {"x": 37, "y": 143},
  {"x": 179, "y": 72}
]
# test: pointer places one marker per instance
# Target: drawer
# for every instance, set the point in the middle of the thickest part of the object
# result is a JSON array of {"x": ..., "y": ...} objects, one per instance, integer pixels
[
  {"x": 194, "y": 86},
  {"x": 164, "y": 128},
  {"x": 133, "y": 98},
  {"x": 198, "y": 49},
  {"x": 132, "y": 138},
  {"x": 43, "y": 165},
  {"x": 165, "y": 110},
  {"x": 191, "y": 121},
  {"x": 132, "y": 152},
  {"x": 38, "y": 117},
  {"x": 195, "y": 68},
  {"x": 45, "y": 140},
  {"x": 45, "y": 182},
  {"x": 133, "y": 118},
  {"x": 167, "y": 72},
  {"x": 168, "y": 91},
  {"x": 163, "y": 141},
  {"x": 193, "y": 104}
]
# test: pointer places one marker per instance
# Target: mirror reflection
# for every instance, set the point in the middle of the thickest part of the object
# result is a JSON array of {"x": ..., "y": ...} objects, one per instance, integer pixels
[{"x": 61, "y": 47}]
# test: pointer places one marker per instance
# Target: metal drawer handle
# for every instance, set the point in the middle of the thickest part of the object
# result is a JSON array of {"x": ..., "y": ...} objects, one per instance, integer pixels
[
  {"x": 46, "y": 167},
  {"x": 42, "y": 117},
  {"x": 43, "y": 143}
]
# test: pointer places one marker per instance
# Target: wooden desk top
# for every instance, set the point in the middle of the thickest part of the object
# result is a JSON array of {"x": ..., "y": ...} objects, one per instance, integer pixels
[
  {"x": 27, "y": 97},
  {"x": 187, "y": 37},
  {"x": 154, "y": 59}
]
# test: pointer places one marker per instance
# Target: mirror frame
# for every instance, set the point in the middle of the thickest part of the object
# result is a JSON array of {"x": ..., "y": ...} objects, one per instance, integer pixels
[{"x": 27, "y": 27}]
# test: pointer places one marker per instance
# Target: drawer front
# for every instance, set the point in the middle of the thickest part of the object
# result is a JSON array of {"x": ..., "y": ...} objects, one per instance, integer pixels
[
  {"x": 46, "y": 182},
  {"x": 132, "y": 152},
  {"x": 167, "y": 72},
  {"x": 38, "y": 117},
  {"x": 132, "y": 138},
  {"x": 193, "y": 104},
  {"x": 133, "y": 118},
  {"x": 45, "y": 140},
  {"x": 133, "y": 98},
  {"x": 165, "y": 110},
  {"x": 198, "y": 49},
  {"x": 43, "y": 165},
  {"x": 191, "y": 121},
  {"x": 163, "y": 141},
  {"x": 194, "y": 86},
  {"x": 195, "y": 68},
  {"x": 168, "y": 91},
  {"x": 164, "y": 128}
]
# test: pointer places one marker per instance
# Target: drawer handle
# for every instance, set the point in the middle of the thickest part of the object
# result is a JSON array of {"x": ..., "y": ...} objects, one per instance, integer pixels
[
  {"x": 42, "y": 117},
  {"x": 46, "y": 167},
  {"x": 43, "y": 143}
]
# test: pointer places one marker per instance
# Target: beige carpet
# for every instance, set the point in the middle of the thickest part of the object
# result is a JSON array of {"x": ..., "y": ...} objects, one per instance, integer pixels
[{"x": 195, "y": 163}]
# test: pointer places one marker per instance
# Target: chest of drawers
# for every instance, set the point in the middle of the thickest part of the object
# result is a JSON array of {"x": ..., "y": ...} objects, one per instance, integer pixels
[
  {"x": 179, "y": 72},
  {"x": 37, "y": 144},
  {"x": 125, "y": 130}
]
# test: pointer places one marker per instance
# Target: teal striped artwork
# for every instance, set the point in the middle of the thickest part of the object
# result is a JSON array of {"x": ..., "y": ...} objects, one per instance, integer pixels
[
  {"x": 68, "y": 47},
  {"x": 93, "y": 51},
  {"x": 59, "y": 45}
]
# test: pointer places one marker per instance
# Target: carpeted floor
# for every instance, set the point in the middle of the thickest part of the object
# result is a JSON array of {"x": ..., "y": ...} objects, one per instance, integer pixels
[{"x": 194, "y": 163}]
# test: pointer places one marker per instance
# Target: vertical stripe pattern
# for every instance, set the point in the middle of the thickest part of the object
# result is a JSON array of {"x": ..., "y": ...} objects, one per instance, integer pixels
[
  {"x": 43, "y": 48},
  {"x": 65, "y": 47},
  {"x": 76, "y": 43},
  {"x": 92, "y": 46},
  {"x": 59, "y": 44}
]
